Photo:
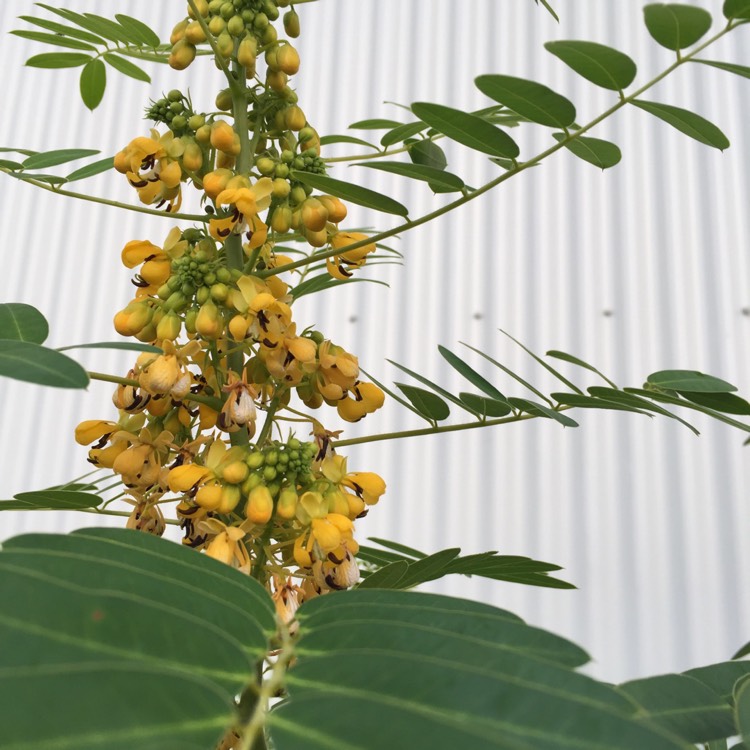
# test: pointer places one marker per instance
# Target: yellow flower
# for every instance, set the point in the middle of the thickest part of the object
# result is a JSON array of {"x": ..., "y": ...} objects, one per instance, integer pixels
[
  {"x": 243, "y": 206},
  {"x": 338, "y": 265},
  {"x": 226, "y": 545},
  {"x": 239, "y": 408},
  {"x": 361, "y": 399}
]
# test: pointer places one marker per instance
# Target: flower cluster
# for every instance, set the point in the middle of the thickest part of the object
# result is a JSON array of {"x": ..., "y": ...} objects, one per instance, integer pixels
[{"x": 222, "y": 345}]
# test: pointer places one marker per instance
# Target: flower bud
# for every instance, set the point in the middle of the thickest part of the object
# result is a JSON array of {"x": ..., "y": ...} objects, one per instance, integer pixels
[
  {"x": 294, "y": 118},
  {"x": 222, "y": 136},
  {"x": 225, "y": 44},
  {"x": 287, "y": 59},
  {"x": 230, "y": 498},
  {"x": 133, "y": 319},
  {"x": 291, "y": 24},
  {"x": 286, "y": 507},
  {"x": 209, "y": 496},
  {"x": 183, "y": 53},
  {"x": 336, "y": 208},
  {"x": 194, "y": 33},
  {"x": 209, "y": 322},
  {"x": 178, "y": 32},
  {"x": 235, "y": 473},
  {"x": 259, "y": 508},
  {"x": 169, "y": 327},
  {"x": 281, "y": 221},
  {"x": 314, "y": 215},
  {"x": 277, "y": 79},
  {"x": 216, "y": 181},
  {"x": 192, "y": 158},
  {"x": 224, "y": 100}
]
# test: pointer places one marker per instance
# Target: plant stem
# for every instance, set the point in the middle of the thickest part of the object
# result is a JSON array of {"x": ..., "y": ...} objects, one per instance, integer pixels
[{"x": 521, "y": 167}]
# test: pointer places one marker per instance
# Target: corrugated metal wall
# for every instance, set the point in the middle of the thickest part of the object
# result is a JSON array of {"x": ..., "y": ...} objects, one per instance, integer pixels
[{"x": 638, "y": 269}]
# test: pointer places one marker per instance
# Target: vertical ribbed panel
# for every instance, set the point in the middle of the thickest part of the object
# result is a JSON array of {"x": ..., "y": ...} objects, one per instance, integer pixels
[{"x": 638, "y": 269}]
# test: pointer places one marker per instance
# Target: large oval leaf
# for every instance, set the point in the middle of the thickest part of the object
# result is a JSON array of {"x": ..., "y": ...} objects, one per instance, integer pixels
[
  {"x": 354, "y": 193},
  {"x": 93, "y": 82},
  {"x": 408, "y": 670},
  {"x": 602, "y": 154},
  {"x": 676, "y": 26},
  {"x": 690, "y": 380},
  {"x": 467, "y": 129},
  {"x": 603, "y": 66},
  {"x": 736, "y": 9},
  {"x": 21, "y": 322},
  {"x": 24, "y": 360},
  {"x": 427, "y": 153},
  {"x": 425, "y": 402},
  {"x": 686, "y": 122},
  {"x": 131, "y": 642},
  {"x": 532, "y": 100},
  {"x": 437, "y": 178}
]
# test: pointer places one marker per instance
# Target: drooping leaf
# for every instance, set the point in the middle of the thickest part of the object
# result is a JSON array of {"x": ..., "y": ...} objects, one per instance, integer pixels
[
  {"x": 676, "y": 26},
  {"x": 471, "y": 374},
  {"x": 427, "y": 671},
  {"x": 602, "y": 154},
  {"x": 724, "y": 402},
  {"x": 375, "y": 124},
  {"x": 24, "y": 360},
  {"x": 540, "y": 410},
  {"x": 401, "y": 133},
  {"x": 93, "y": 83},
  {"x": 689, "y": 380},
  {"x": 576, "y": 361},
  {"x": 740, "y": 70},
  {"x": 131, "y": 346},
  {"x": 546, "y": 5},
  {"x": 686, "y": 122},
  {"x": 630, "y": 399},
  {"x": 52, "y": 499},
  {"x": 485, "y": 407},
  {"x": 532, "y": 100},
  {"x": 126, "y": 67},
  {"x": 53, "y": 158},
  {"x": 55, "y": 39},
  {"x": 354, "y": 193},
  {"x": 467, "y": 129},
  {"x": 58, "y": 60},
  {"x": 426, "y": 402},
  {"x": 138, "y": 30},
  {"x": 21, "y": 322},
  {"x": 721, "y": 677},
  {"x": 100, "y": 618},
  {"x": 387, "y": 577},
  {"x": 603, "y": 66},
  {"x": 588, "y": 402},
  {"x": 330, "y": 139},
  {"x": 427, "y": 153},
  {"x": 735, "y": 10},
  {"x": 97, "y": 167},
  {"x": 682, "y": 705},
  {"x": 436, "y": 177}
]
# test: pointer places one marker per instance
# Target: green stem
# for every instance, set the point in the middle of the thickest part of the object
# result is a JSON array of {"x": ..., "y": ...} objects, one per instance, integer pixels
[
  {"x": 268, "y": 423},
  {"x": 438, "y": 430},
  {"x": 105, "y": 201},
  {"x": 117, "y": 513},
  {"x": 407, "y": 225}
]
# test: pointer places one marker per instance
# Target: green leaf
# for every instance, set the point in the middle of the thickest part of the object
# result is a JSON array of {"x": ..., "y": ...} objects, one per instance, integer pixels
[
  {"x": 425, "y": 402},
  {"x": 427, "y": 153},
  {"x": 122, "y": 65},
  {"x": 723, "y": 402},
  {"x": 682, "y": 705},
  {"x": 689, "y": 380},
  {"x": 7, "y": 164},
  {"x": 58, "y": 60},
  {"x": 721, "y": 677},
  {"x": 146, "y": 640},
  {"x": 486, "y": 407},
  {"x": 97, "y": 167},
  {"x": 52, "y": 499},
  {"x": 104, "y": 26},
  {"x": 508, "y": 568},
  {"x": 93, "y": 83},
  {"x": 736, "y": 10},
  {"x": 686, "y": 122},
  {"x": 588, "y": 402},
  {"x": 27, "y": 361},
  {"x": 603, "y": 66},
  {"x": 393, "y": 395},
  {"x": 402, "y": 548},
  {"x": 59, "y": 28},
  {"x": 744, "y": 651},
  {"x": 576, "y": 361},
  {"x": 138, "y": 30},
  {"x": 130, "y": 346},
  {"x": 354, "y": 193},
  {"x": 534, "y": 101},
  {"x": 56, "y": 39},
  {"x": 402, "y": 132},
  {"x": 325, "y": 281},
  {"x": 53, "y": 158},
  {"x": 387, "y": 577},
  {"x": 740, "y": 70},
  {"x": 629, "y": 399},
  {"x": 375, "y": 124},
  {"x": 436, "y": 177},
  {"x": 546, "y": 5},
  {"x": 410, "y": 670},
  {"x": 21, "y": 322},
  {"x": 742, "y": 708},
  {"x": 329, "y": 139},
  {"x": 434, "y": 386},
  {"x": 540, "y": 410},
  {"x": 676, "y": 26},
  {"x": 428, "y": 568},
  {"x": 471, "y": 374},
  {"x": 467, "y": 129},
  {"x": 602, "y": 154}
]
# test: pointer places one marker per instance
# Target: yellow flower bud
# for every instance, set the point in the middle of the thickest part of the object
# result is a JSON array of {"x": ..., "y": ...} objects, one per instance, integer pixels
[
  {"x": 314, "y": 215},
  {"x": 291, "y": 23},
  {"x": 336, "y": 208},
  {"x": 209, "y": 496},
  {"x": 192, "y": 159},
  {"x": 287, "y": 59},
  {"x": 259, "y": 508},
  {"x": 133, "y": 319},
  {"x": 183, "y": 53},
  {"x": 317, "y": 239},
  {"x": 235, "y": 473},
  {"x": 222, "y": 136},
  {"x": 215, "y": 182},
  {"x": 209, "y": 322},
  {"x": 225, "y": 44},
  {"x": 294, "y": 118},
  {"x": 224, "y": 100},
  {"x": 247, "y": 53},
  {"x": 277, "y": 79},
  {"x": 281, "y": 221},
  {"x": 178, "y": 32},
  {"x": 194, "y": 33},
  {"x": 230, "y": 498},
  {"x": 169, "y": 327},
  {"x": 286, "y": 506}
]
